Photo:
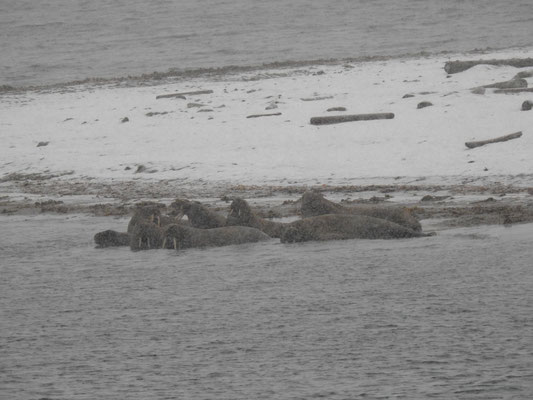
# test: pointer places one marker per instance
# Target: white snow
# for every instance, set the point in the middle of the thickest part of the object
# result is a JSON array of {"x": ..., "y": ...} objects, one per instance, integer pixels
[{"x": 86, "y": 135}]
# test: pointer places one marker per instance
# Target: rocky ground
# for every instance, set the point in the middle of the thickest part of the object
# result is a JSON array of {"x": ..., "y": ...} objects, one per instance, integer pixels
[{"x": 438, "y": 206}]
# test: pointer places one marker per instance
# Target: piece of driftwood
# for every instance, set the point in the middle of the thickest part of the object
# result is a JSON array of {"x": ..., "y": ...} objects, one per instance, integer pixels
[
  {"x": 512, "y": 91},
  {"x": 316, "y": 98},
  {"x": 263, "y": 115},
  {"x": 515, "y": 83},
  {"x": 183, "y": 94},
  {"x": 424, "y": 104},
  {"x": 337, "y": 119},
  {"x": 505, "y": 138},
  {"x": 453, "y": 67}
]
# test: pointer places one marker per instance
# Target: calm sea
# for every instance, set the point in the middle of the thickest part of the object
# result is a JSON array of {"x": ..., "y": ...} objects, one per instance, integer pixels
[
  {"x": 446, "y": 317},
  {"x": 54, "y": 41}
]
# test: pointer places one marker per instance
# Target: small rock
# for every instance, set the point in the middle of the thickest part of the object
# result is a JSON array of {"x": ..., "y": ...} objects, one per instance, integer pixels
[
  {"x": 428, "y": 197},
  {"x": 40, "y": 144},
  {"x": 127, "y": 168},
  {"x": 125, "y": 119},
  {"x": 406, "y": 96},
  {"x": 140, "y": 168},
  {"x": 336, "y": 109},
  {"x": 478, "y": 90},
  {"x": 527, "y": 105},
  {"x": 424, "y": 104},
  {"x": 193, "y": 105},
  {"x": 152, "y": 113}
]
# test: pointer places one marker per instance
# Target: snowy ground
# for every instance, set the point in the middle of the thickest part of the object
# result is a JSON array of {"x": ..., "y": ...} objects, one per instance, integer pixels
[{"x": 207, "y": 139}]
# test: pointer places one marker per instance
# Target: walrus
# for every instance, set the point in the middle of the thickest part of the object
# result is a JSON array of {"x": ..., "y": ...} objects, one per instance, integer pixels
[
  {"x": 145, "y": 213},
  {"x": 183, "y": 237},
  {"x": 313, "y": 204},
  {"x": 111, "y": 238},
  {"x": 199, "y": 216},
  {"x": 146, "y": 235},
  {"x": 242, "y": 215},
  {"x": 345, "y": 226}
]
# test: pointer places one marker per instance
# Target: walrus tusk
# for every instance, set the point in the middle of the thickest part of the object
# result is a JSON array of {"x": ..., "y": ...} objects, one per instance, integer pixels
[
  {"x": 164, "y": 243},
  {"x": 175, "y": 244}
]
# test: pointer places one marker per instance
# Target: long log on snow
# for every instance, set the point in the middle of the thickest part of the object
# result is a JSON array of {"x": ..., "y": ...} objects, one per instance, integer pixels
[
  {"x": 512, "y": 91},
  {"x": 183, "y": 94},
  {"x": 452, "y": 67},
  {"x": 337, "y": 119},
  {"x": 505, "y": 138}
]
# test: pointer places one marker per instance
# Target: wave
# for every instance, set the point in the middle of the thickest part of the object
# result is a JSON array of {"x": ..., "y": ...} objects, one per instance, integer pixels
[{"x": 175, "y": 74}]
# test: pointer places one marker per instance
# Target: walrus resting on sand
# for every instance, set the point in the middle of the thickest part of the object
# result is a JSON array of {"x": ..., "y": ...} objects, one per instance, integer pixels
[
  {"x": 313, "y": 204},
  {"x": 343, "y": 226},
  {"x": 199, "y": 216},
  {"x": 183, "y": 237},
  {"x": 110, "y": 238},
  {"x": 242, "y": 215}
]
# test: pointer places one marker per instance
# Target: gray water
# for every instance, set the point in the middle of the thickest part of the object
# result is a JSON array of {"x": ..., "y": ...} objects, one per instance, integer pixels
[
  {"x": 54, "y": 41},
  {"x": 443, "y": 317}
]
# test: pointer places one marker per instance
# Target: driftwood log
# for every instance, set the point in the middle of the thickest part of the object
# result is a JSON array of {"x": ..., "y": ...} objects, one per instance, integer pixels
[
  {"x": 515, "y": 83},
  {"x": 183, "y": 94},
  {"x": 337, "y": 119},
  {"x": 263, "y": 115},
  {"x": 512, "y": 91},
  {"x": 453, "y": 67},
  {"x": 505, "y": 138}
]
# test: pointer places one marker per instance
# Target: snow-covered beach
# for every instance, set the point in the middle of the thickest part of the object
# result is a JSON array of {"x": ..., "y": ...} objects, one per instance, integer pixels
[{"x": 61, "y": 142}]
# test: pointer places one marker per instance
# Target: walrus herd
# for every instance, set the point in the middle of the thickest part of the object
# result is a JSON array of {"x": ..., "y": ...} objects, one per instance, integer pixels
[{"x": 321, "y": 220}]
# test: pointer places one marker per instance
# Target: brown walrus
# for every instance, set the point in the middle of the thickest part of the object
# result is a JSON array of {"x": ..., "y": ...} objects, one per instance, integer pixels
[
  {"x": 313, "y": 204},
  {"x": 241, "y": 214},
  {"x": 183, "y": 237},
  {"x": 344, "y": 226},
  {"x": 145, "y": 236},
  {"x": 111, "y": 238},
  {"x": 199, "y": 216},
  {"x": 145, "y": 213}
]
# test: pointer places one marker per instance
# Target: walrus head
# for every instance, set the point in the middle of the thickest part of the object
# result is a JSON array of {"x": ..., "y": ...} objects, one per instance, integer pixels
[
  {"x": 240, "y": 212},
  {"x": 180, "y": 207},
  {"x": 175, "y": 236},
  {"x": 314, "y": 203},
  {"x": 146, "y": 235},
  {"x": 150, "y": 213},
  {"x": 111, "y": 238}
]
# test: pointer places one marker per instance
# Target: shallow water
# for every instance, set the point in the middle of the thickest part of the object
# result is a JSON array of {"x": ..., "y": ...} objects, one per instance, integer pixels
[
  {"x": 57, "y": 41},
  {"x": 440, "y": 317}
]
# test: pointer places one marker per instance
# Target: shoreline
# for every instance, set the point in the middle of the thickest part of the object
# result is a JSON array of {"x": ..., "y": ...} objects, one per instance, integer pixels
[
  {"x": 100, "y": 149},
  {"x": 176, "y": 75},
  {"x": 438, "y": 206}
]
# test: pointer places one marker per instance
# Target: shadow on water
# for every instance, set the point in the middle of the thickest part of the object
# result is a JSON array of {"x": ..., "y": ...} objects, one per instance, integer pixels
[{"x": 442, "y": 317}]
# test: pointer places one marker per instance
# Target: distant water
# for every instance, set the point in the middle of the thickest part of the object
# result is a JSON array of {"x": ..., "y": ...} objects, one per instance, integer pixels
[
  {"x": 54, "y": 41},
  {"x": 446, "y": 317}
]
